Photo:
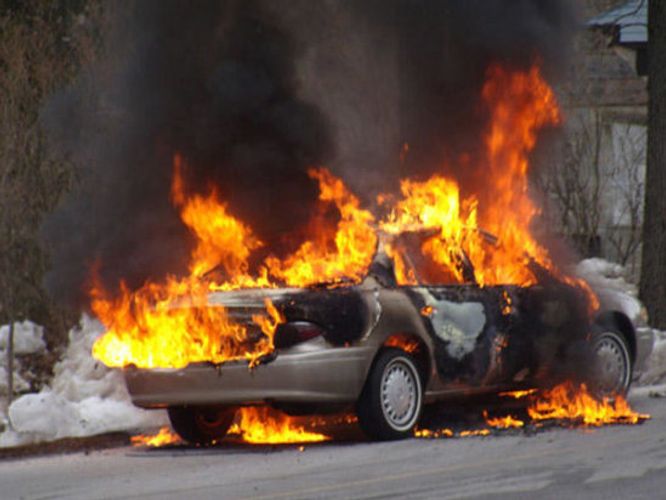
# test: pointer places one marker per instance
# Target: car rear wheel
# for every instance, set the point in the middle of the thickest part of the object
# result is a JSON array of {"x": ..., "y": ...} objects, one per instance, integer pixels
[
  {"x": 612, "y": 362},
  {"x": 391, "y": 402},
  {"x": 201, "y": 425}
]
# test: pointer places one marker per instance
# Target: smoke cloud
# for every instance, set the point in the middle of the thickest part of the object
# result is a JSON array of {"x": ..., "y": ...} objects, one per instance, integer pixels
[
  {"x": 390, "y": 72},
  {"x": 251, "y": 93}
]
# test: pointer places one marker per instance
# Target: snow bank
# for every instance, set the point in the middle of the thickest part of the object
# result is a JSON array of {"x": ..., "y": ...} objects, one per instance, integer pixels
[
  {"x": 28, "y": 338},
  {"x": 84, "y": 398}
]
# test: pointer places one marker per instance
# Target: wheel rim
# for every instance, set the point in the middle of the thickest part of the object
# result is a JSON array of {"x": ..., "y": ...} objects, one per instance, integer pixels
[
  {"x": 612, "y": 364},
  {"x": 400, "y": 394}
]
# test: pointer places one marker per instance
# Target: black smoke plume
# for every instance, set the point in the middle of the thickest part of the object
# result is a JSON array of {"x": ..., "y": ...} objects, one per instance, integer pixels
[
  {"x": 252, "y": 93},
  {"x": 215, "y": 82},
  {"x": 391, "y": 72}
]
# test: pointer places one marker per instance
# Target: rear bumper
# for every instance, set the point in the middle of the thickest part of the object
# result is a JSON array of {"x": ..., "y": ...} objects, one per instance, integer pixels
[{"x": 333, "y": 375}]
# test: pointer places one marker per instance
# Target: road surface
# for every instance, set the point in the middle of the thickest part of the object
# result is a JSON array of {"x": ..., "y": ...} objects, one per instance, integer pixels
[{"x": 611, "y": 462}]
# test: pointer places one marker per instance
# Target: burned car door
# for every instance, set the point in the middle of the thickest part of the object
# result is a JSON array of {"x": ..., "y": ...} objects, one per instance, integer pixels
[
  {"x": 470, "y": 328},
  {"x": 498, "y": 335}
]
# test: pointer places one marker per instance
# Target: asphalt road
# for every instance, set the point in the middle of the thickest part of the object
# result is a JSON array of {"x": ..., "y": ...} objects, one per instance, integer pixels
[{"x": 611, "y": 462}]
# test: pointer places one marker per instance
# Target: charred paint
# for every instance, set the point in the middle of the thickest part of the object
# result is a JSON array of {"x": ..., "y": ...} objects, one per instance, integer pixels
[
  {"x": 343, "y": 313},
  {"x": 480, "y": 341},
  {"x": 462, "y": 324}
]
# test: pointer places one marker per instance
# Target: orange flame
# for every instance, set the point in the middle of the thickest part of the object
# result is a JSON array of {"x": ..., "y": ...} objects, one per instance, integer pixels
[
  {"x": 164, "y": 437},
  {"x": 172, "y": 324},
  {"x": 433, "y": 434},
  {"x": 222, "y": 240},
  {"x": 263, "y": 425},
  {"x": 574, "y": 403},
  {"x": 506, "y": 422},
  {"x": 403, "y": 342},
  {"x": 520, "y": 104},
  {"x": 331, "y": 257},
  {"x": 518, "y": 394},
  {"x": 168, "y": 325},
  {"x": 474, "y": 432},
  {"x": 427, "y": 310},
  {"x": 566, "y": 402}
]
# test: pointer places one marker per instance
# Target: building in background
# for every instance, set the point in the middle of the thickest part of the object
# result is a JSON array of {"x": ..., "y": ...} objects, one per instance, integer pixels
[{"x": 596, "y": 191}]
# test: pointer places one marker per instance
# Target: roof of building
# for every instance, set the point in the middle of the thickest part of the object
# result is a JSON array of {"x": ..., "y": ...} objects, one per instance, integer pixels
[{"x": 630, "y": 20}]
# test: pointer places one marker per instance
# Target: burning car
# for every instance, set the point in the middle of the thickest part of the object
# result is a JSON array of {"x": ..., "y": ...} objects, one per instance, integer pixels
[
  {"x": 387, "y": 349},
  {"x": 443, "y": 294}
]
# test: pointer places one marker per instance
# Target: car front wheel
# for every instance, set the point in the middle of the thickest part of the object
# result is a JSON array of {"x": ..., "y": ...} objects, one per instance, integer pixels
[
  {"x": 612, "y": 362},
  {"x": 391, "y": 402}
]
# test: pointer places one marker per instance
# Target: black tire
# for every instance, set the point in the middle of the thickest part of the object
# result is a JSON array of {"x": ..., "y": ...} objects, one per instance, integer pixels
[
  {"x": 385, "y": 412},
  {"x": 613, "y": 367},
  {"x": 201, "y": 425}
]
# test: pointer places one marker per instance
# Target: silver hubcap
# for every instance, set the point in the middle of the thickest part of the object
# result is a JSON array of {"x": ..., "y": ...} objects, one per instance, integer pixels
[
  {"x": 613, "y": 365},
  {"x": 400, "y": 394}
]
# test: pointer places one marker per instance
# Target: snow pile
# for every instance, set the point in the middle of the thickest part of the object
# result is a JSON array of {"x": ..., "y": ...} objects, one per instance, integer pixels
[
  {"x": 28, "y": 338},
  {"x": 83, "y": 399}
]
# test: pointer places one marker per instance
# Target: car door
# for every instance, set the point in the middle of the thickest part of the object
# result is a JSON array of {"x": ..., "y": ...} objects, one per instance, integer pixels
[{"x": 469, "y": 326}]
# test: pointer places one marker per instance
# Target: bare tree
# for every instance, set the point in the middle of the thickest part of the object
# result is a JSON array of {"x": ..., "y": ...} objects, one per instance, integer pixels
[
  {"x": 595, "y": 199},
  {"x": 574, "y": 185}
]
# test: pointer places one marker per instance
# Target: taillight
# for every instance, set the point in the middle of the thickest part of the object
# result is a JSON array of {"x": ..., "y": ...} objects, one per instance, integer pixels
[{"x": 290, "y": 334}]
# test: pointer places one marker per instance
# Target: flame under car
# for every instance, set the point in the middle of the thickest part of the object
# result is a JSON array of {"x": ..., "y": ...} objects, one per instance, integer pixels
[{"x": 387, "y": 349}]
